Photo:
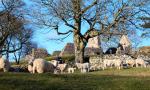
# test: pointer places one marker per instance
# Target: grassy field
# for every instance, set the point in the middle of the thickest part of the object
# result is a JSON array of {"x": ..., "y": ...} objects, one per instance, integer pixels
[{"x": 111, "y": 79}]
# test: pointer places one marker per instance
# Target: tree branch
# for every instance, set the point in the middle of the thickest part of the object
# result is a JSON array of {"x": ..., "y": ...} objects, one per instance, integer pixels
[
  {"x": 3, "y": 39},
  {"x": 145, "y": 11},
  {"x": 67, "y": 24},
  {"x": 11, "y": 51},
  {"x": 61, "y": 39},
  {"x": 94, "y": 32},
  {"x": 87, "y": 8},
  {"x": 61, "y": 33}
]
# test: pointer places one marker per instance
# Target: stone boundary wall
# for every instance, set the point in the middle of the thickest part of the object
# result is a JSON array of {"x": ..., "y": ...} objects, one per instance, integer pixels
[{"x": 96, "y": 62}]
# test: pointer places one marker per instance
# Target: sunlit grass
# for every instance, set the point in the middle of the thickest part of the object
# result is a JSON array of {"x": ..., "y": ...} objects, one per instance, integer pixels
[
  {"x": 125, "y": 72},
  {"x": 110, "y": 79}
]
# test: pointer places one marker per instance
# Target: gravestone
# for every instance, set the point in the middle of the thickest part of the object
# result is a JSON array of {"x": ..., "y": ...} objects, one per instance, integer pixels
[
  {"x": 93, "y": 46},
  {"x": 125, "y": 44},
  {"x": 94, "y": 42}
]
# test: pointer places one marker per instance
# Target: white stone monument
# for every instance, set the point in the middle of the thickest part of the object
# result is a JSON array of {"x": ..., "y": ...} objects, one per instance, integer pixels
[
  {"x": 94, "y": 42},
  {"x": 125, "y": 42}
]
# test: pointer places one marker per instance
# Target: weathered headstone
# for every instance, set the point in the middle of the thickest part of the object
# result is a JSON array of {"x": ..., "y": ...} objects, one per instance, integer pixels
[
  {"x": 94, "y": 42},
  {"x": 125, "y": 44},
  {"x": 93, "y": 46},
  {"x": 124, "y": 41}
]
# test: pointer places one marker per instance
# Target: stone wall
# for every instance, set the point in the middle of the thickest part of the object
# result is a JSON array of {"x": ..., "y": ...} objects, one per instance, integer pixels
[{"x": 95, "y": 62}]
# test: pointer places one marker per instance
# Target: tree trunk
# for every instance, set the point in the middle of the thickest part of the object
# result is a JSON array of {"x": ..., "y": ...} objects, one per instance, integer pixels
[
  {"x": 7, "y": 56},
  {"x": 79, "y": 49},
  {"x": 17, "y": 62},
  {"x": 78, "y": 38},
  {"x": 79, "y": 55}
]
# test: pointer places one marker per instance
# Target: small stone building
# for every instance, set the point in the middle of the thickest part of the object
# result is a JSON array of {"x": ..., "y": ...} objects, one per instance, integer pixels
[
  {"x": 68, "y": 50},
  {"x": 39, "y": 53}
]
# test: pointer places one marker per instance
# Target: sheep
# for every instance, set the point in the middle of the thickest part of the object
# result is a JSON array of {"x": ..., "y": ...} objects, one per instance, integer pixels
[
  {"x": 85, "y": 67},
  {"x": 30, "y": 68},
  {"x": 54, "y": 62},
  {"x": 59, "y": 68},
  {"x": 41, "y": 66},
  {"x": 78, "y": 65},
  {"x": 130, "y": 62},
  {"x": 30, "y": 60},
  {"x": 94, "y": 64},
  {"x": 71, "y": 70},
  {"x": 141, "y": 62},
  {"x": 30, "y": 63},
  {"x": 107, "y": 62},
  {"x": 57, "y": 71},
  {"x": 4, "y": 64},
  {"x": 116, "y": 62},
  {"x": 62, "y": 67},
  {"x": 94, "y": 67}
]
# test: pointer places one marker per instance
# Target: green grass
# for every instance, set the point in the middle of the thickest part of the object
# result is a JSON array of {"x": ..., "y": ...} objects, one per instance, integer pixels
[{"x": 110, "y": 79}]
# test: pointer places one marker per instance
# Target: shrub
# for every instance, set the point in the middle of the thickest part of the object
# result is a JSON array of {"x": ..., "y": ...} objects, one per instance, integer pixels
[
  {"x": 64, "y": 58},
  {"x": 21, "y": 62},
  {"x": 50, "y": 58},
  {"x": 68, "y": 58}
]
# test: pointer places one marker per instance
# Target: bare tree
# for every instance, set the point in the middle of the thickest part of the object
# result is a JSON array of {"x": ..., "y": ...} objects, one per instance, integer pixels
[
  {"x": 102, "y": 17},
  {"x": 146, "y": 26},
  {"x": 11, "y": 25},
  {"x": 21, "y": 43}
]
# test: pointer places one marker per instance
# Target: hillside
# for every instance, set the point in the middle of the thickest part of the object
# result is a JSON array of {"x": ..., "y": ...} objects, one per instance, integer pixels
[{"x": 145, "y": 50}]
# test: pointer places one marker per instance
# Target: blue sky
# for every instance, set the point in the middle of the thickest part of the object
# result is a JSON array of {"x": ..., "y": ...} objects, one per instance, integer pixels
[{"x": 42, "y": 38}]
